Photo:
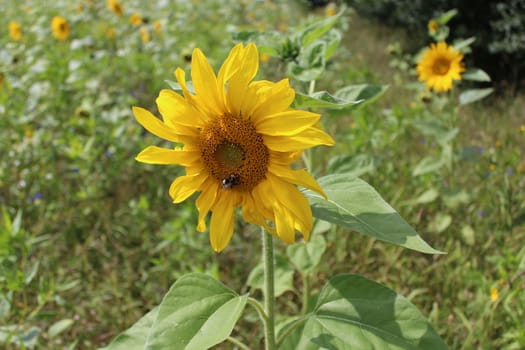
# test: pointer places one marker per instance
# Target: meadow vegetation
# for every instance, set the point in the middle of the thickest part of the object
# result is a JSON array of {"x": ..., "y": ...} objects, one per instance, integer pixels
[{"x": 89, "y": 239}]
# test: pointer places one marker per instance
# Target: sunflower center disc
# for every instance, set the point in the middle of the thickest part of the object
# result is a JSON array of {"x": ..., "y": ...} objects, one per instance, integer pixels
[
  {"x": 234, "y": 153},
  {"x": 441, "y": 66}
]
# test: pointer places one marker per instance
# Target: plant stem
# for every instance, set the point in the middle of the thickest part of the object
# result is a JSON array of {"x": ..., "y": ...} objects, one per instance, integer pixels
[
  {"x": 237, "y": 342},
  {"x": 269, "y": 290},
  {"x": 306, "y": 292}
]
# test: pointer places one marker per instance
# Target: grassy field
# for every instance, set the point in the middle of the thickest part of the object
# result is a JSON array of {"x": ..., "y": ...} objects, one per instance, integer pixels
[{"x": 89, "y": 239}]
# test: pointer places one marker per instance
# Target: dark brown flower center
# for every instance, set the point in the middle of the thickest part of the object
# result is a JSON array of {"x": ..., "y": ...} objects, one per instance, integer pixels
[
  {"x": 441, "y": 66},
  {"x": 234, "y": 153}
]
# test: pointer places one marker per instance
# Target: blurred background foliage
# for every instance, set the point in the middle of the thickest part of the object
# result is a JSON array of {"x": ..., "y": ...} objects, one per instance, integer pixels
[{"x": 498, "y": 26}]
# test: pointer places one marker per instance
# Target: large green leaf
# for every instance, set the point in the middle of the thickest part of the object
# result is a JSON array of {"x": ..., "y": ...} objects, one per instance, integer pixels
[
  {"x": 473, "y": 95},
  {"x": 307, "y": 255},
  {"x": 355, "y": 204},
  {"x": 283, "y": 276},
  {"x": 198, "y": 312},
  {"x": 355, "y": 313},
  {"x": 322, "y": 99},
  {"x": 134, "y": 338}
]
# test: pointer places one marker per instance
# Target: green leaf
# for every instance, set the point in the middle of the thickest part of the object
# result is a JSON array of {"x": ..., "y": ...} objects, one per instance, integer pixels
[
  {"x": 475, "y": 74},
  {"x": 435, "y": 128},
  {"x": 322, "y": 99},
  {"x": 135, "y": 337},
  {"x": 283, "y": 276},
  {"x": 427, "y": 165},
  {"x": 464, "y": 44},
  {"x": 198, "y": 312},
  {"x": 311, "y": 63},
  {"x": 473, "y": 95},
  {"x": 356, "y": 165},
  {"x": 307, "y": 255},
  {"x": 317, "y": 29},
  {"x": 353, "y": 312},
  {"x": 440, "y": 223},
  {"x": 332, "y": 43},
  {"x": 445, "y": 17},
  {"x": 59, "y": 327},
  {"x": 361, "y": 92},
  {"x": 354, "y": 204}
]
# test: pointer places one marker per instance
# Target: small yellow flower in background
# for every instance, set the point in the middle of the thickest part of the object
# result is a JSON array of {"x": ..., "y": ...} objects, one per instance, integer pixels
[
  {"x": 239, "y": 138},
  {"x": 283, "y": 27},
  {"x": 135, "y": 19},
  {"x": 60, "y": 28},
  {"x": 157, "y": 27},
  {"x": 15, "y": 30},
  {"x": 498, "y": 144},
  {"x": 251, "y": 16},
  {"x": 115, "y": 7},
  {"x": 432, "y": 26},
  {"x": 522, "y": 128},
  {"x": 494, "y": 294},
  {"x": 80, "y": 8},
  {"x": 27, "y": 9},
  {"x": 144, "y": 35},
  {"x": 501, "y": 282},
  {"x": 521, "y": 168},
  {"x": 111, "y": 33},
  {"x": 330, "y": 10},
  {"x": 439, "y": 66},
  {"x": 492, "y": 167},
  {"x": 265, "y": 57}
]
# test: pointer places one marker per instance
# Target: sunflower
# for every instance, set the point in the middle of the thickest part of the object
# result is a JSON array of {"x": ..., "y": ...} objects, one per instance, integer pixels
[
  {"x": 135, "y": 19},
  {"x": 15, "y": 30},
  {"x": 60, "y": 28},
  {"x": 439, "y": 66},
  {"x": 115, "y": 7},
  {"x": 239, "y": 138}
]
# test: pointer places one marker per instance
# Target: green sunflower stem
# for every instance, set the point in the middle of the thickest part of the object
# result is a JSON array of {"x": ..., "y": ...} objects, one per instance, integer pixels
[{"x": 269, "y": 290}]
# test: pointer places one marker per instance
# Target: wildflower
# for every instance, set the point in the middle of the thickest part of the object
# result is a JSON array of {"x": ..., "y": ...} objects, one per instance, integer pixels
[
  {"x": 492, "y": 167},
  {"x": 239, "y": 138},
  {"x": 439, "y": 66},
  {"x": 265, "y": 57},
  {"x": 135, "y": 19},
  {"x": 157, "y": 27},
  {"x": 15, "y": 30},
  {"x": 522, "y": 128},
  {"x": 115, "y": 7},
  {"x": 432, "y": 26},
  {"x": 494, "y": 294},
  {"x": 498, "y": 144},
  {"x": 60, "y": 28},
  {"x": 144, "y": 35},
  {"x": 330, "y": 10}
]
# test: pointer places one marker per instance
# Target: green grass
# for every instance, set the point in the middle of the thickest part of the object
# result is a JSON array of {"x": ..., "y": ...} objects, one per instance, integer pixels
[{"x": 109, "y": 243}]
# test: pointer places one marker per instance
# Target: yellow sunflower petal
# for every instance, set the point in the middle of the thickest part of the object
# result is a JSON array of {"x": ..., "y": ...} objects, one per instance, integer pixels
[
  {"x": 174, "y": 109},
  {"x": 298, "y": 177},
  {"x": 205, "y": 83},
  {"x": 284, "y": 223},
  {"x": 274, "y": 99},
  {"x": 306, "y": 139},
  {"x": 185, "y": 186},
  {"x": 286, "y": 123},
  {"x": 222, "y": 220},
  {"x": 154, "y": 125},
  {"x": 159, "y": 155},
  {"x": 206, "y": 201}
]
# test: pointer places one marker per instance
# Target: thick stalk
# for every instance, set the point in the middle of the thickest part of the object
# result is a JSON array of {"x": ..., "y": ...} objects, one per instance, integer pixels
[{"x": 269, "y": 290}]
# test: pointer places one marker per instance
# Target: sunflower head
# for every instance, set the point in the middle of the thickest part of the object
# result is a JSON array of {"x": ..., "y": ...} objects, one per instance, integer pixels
[
  {"x": 439, "y": 66},
  {"x": 116, "y": 7},
  {"x": 15, "y": 30},
  {"x": 60, "y": 28},
  {"x": 239, "y": 139}
]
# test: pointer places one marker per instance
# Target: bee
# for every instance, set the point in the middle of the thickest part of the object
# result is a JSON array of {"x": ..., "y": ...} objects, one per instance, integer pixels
[{"x": 230, "y": 181}]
